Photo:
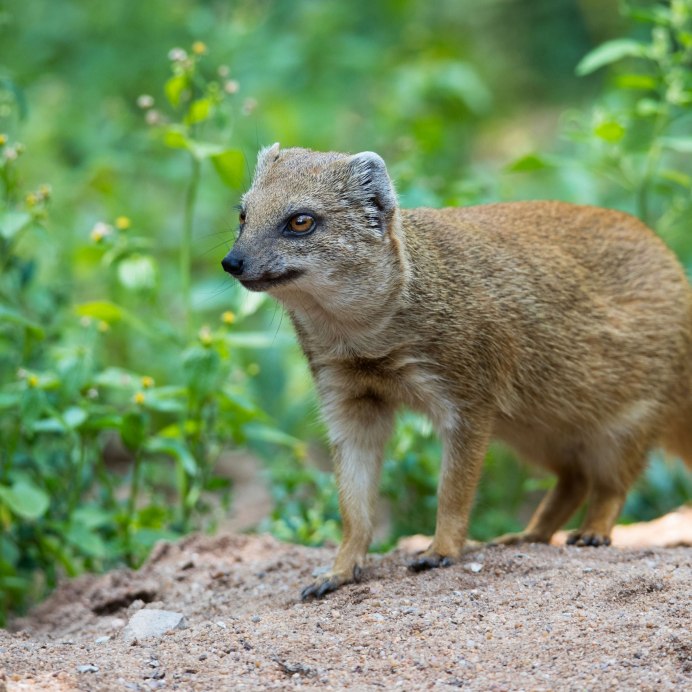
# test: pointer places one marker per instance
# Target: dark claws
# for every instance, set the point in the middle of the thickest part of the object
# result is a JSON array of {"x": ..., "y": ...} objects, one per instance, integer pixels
[
  {"x": 429, "y": 562},
  {"x": 582, "y": 540},
  {"x": 318, "y": 590}
]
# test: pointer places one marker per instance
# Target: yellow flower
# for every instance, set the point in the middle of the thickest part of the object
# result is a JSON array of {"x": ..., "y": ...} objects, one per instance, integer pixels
[
  {"x": 122, "y": 223},
  {"x": 32, "y": 381},
  {"x": 45, "y": 191},
  {"x": 199, "y": 48},
  {"x": 31, "y": 199},
  {"x": 139, "y": 398},
  {"x": 228, "y": 317},
  {"x": 3, "y": 139},
  {"x": 104, "y": 326},
  {"x": 147, "y": 382}
]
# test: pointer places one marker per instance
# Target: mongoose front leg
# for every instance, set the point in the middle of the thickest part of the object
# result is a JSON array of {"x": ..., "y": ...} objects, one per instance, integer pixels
[
  {"x": 462, "y": 460},
  {"x": 359, "y": 430}
]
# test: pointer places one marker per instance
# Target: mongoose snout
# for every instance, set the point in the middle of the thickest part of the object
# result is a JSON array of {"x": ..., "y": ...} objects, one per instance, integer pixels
[
  {"x": 563, "y": 330},
  {"x": 233, "y": 264}
]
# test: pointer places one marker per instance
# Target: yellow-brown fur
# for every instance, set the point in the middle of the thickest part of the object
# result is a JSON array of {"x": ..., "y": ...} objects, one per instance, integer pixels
[{"x": 564, "y": 330}]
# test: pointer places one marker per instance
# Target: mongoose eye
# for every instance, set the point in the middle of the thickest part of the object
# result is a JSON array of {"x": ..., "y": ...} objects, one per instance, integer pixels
[
  {"x": 301, "y": 223},
  {"x": 241, "y": 217}
]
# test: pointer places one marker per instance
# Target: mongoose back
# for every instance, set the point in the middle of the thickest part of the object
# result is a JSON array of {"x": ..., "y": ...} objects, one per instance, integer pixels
[{"x": 563, "y": 330}]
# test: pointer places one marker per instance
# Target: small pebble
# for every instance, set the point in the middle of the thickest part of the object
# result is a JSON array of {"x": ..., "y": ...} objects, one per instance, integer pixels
[{"x": 88, "y": 668}]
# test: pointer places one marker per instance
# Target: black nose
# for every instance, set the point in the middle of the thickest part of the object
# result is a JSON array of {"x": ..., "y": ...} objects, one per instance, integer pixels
[{"x": 233, "y": 264}]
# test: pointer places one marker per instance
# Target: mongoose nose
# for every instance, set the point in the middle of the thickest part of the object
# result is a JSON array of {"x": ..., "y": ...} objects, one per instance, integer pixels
[{"x": 233, "y": 264}]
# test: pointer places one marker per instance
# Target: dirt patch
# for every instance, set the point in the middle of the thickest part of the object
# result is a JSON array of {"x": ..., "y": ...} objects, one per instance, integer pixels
[{"x": 538, "y": 617}]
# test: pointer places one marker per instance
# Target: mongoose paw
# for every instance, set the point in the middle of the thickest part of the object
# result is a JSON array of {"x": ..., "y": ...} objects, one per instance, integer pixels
[
  {"x": 587, "y": 538},
  {"x": 428, "y": 560},
  {"x": 518, "y": 538},
  {"x": 329, "y": 582}
]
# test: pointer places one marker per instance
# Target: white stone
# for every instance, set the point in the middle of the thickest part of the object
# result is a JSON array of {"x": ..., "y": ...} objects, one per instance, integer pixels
[{"x": 150, "y": 622}]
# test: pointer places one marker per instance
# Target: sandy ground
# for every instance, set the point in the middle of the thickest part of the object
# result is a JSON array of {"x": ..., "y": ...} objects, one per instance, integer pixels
[{"x": 528, "y": 618}]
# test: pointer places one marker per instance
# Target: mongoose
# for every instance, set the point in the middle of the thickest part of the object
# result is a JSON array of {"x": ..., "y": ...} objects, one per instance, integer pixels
[{"x": 563, "y": 330}]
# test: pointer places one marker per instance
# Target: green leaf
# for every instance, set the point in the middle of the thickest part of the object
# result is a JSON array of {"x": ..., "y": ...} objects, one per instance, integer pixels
[
  {"x": 647, "y": 108},
  {"x": 656, "y": 15},
  {"x": 238, "y": 402},
  {"x": 91, "y": 516},
  {"x": 199, "y": 111},
  {"x": 263, "y": 433},
  {"x": 86, "y": 540},
  {"x": 14, "y": 317},
  {"x": 176, "y": 449},
  {"x": 204, "y": 150},
  {"x": 101, "y": 310},
  {"x": 682, "y": 179},
  {"x": 254, "y": 339},
  {"x": 74, "y": 417},
  {"x": 166, "y": 399},
  {"x": 680, "y": 144},
  {"x": 137, "y": 273},
  {"x": 25, "y": 499},
  {"x": 609, "y": 131},
  {"x": 9, "y": 400},
  {"x": 117, "y": 378},
  {"x": 230, "y": 166},
  {"x": 530, "y": 162},
  {"x": 610, "y": 52},
  {"x": 175, "y": 138},
  {"x": 174, "y": 89},
  {"x": 133, "y": 430},
  {"x": 48, "y": 425},
  {"x": 202, "y": 368},
  {"x": 636, "y": 81},
  {"x": 12, "y": 222},
  {"x": 32, "y": 405},
  {"x": 252, "y": 301},
  {"x": 111, "y": 313}
]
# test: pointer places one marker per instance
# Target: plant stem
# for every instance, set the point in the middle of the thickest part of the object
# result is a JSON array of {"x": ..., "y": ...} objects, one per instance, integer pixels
[
  {"x": 186, "y": 245},
  {"x": 132, "y": 502},
  {"x": 81, "y": 454}
]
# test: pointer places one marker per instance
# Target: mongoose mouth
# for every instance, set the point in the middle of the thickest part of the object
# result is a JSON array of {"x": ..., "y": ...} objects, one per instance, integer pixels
[{"x": 267, "y": 282}]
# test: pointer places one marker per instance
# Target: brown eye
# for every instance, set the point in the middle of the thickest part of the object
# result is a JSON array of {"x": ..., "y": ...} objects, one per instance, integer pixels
[
  {"x": 301, "y": 223},
  {"x": 241, "y": 217}
]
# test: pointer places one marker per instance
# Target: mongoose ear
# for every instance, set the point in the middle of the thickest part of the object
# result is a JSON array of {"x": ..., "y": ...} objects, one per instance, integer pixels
[
  {"x": 266, "y": 157},
  {"x": 372, "y": 187}
]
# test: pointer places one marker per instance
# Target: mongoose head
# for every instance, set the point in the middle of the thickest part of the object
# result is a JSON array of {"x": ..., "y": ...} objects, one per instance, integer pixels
[{"x": 316, "y": 223}]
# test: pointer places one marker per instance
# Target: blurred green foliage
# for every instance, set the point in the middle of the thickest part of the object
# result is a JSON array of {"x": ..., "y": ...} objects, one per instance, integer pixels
[{"x": 129, "y": 362}]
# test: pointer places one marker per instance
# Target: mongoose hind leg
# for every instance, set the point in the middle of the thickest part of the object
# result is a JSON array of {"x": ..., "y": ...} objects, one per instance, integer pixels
[
  {"x": 604, "y": 507},
  {"x": 555, "y": 509},
  {"x": 462, "y": 460},
  {"x": 606, "y": 498}
]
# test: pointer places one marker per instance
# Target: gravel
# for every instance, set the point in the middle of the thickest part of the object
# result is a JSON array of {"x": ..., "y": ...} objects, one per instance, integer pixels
[{"x": 539, "y": 618}]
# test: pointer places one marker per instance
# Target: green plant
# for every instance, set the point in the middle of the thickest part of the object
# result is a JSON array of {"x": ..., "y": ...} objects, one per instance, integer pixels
[
  {"x": 99, "y": 458},
  {"x": 642, "y": 136},
  {"x": 199, "y": 107}
]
